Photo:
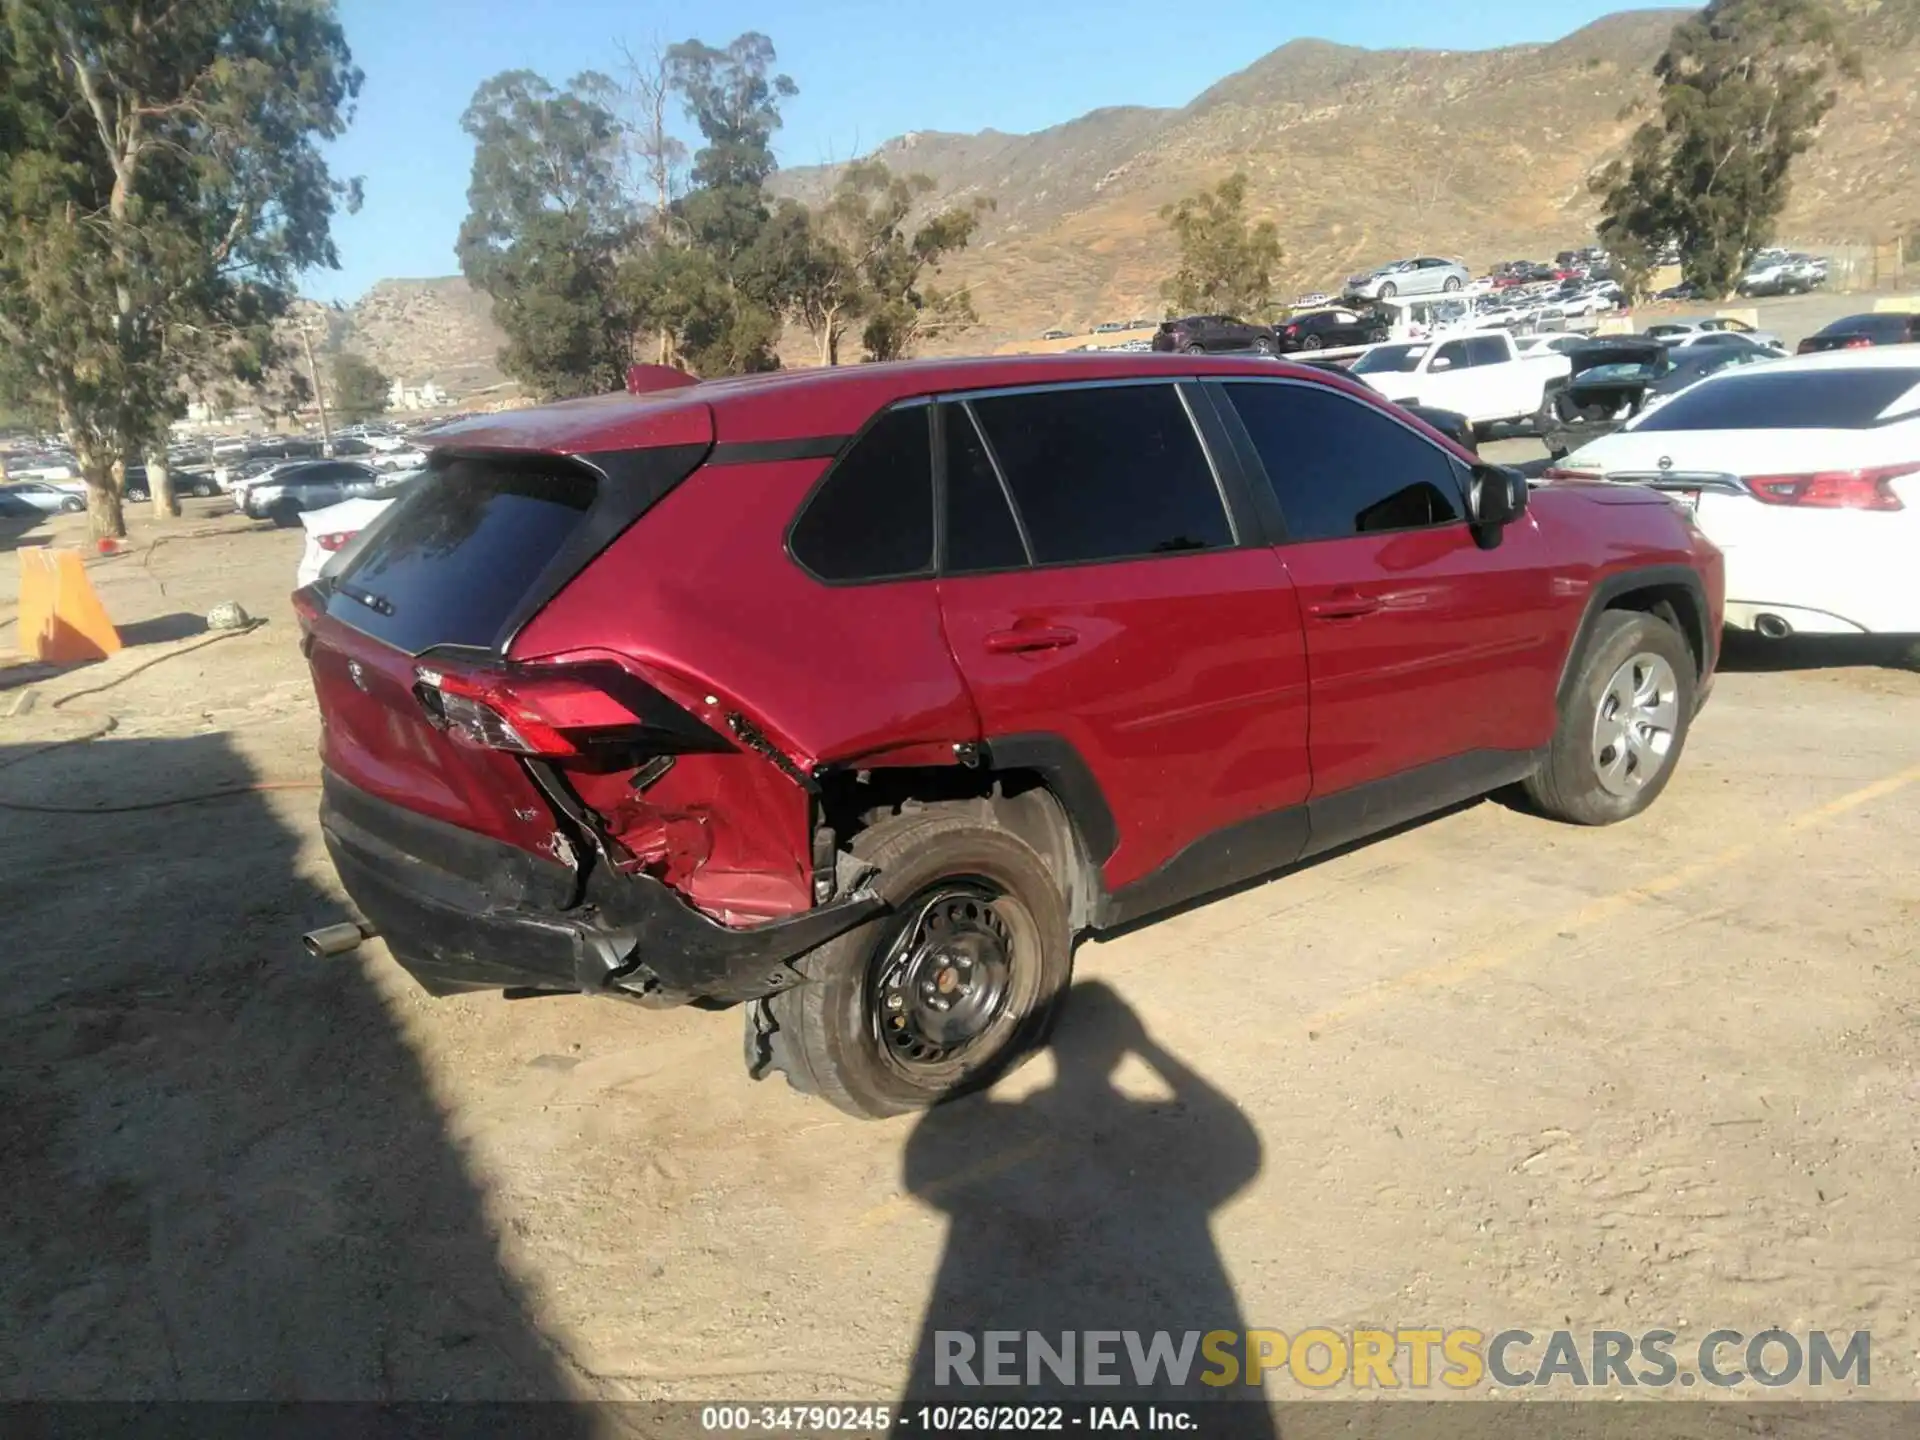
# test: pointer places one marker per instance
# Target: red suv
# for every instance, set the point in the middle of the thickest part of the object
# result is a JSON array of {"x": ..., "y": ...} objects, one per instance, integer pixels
[{"x": 854, "y": 696}]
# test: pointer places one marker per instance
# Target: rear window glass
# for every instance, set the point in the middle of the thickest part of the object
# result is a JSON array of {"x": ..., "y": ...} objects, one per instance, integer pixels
[
  {"x": 1764, "y": 399},
  {"x": 1880, "y": 326},
  {"x": 872, "y": 518},
  {"x": 452, "y": 560}
]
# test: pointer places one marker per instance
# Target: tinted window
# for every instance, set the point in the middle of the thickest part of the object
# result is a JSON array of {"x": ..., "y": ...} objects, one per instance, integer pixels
[
  {"x": 1486, "y": 350},
  {"x": 1341, "y": 468},
  {"x": 981, "y": 533},
  {"x": 1766, "y": 399},
  {"x": 872, "y": 519},
  {"x": 1106, "y": 472},
  {"x": 1454, "y": 351},
  {"x": 1881, "y": 327},
  {"x": 1389, "y": 360},
  {"x": 451, "y": 560}
]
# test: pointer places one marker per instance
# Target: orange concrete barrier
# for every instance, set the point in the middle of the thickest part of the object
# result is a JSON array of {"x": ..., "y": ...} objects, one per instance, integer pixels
[{"x": 62, "y": 621}]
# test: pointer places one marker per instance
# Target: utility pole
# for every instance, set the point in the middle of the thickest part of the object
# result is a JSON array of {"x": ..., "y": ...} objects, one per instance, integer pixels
[{"x": 319, "y": 395}]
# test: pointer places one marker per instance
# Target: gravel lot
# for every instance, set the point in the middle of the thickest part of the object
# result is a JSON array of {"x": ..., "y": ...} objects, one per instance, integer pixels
[{"x": 1489, "y": 1071}]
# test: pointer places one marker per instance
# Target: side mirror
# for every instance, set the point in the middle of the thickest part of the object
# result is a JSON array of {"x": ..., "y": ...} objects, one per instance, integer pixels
[
  {"x": 1496, "y": 497},
  {"x": 1442, "y": 363}
]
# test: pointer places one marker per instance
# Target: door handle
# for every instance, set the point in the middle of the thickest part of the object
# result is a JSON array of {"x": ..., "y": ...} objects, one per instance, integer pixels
[
  {"x": 1343, "y": 605},
  {"x": 1023, "y": 639}
]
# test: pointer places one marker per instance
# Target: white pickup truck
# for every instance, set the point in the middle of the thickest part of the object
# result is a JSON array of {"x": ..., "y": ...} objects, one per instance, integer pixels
[{"x": 1481, "y": 375}]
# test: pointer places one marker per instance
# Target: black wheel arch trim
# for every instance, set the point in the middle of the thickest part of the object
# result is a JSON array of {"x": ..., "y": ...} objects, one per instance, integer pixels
[
  {"x": 1625, "y": 582},
  {"x": 1067, "y": 774}
]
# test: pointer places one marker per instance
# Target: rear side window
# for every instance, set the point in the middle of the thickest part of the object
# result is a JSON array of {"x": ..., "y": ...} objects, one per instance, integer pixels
[
  {"x": 455, "y": 556},
  {"x": 1341, "y": 468},
  {"x": 872, "y": 517},
  {"x": 1765, "y": 399},
  {"x": 981, "y": 533},
  {"x": 1486, "y": 350},
  {"x": 1105, "y": 472}
]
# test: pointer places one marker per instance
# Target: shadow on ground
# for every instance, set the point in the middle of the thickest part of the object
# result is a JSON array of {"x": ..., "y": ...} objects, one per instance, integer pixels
[
  {"x": 1744, "y": 653},
  {"x": 1082, "y": 1207},
  {"x": 225, "y": 1173}
]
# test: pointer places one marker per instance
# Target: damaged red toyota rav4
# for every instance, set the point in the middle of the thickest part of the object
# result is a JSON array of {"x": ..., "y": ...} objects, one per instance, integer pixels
[{"x": 853, "y": 697}]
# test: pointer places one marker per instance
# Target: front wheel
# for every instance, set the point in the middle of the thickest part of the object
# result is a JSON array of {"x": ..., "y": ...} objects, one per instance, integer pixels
[
  {"x": 1622, "y": 725},
  {"x": 1453, "y": 284},
  {"x": 955, "y": 986},
  {"x": 72, "y": 505},
  {"x": 1389, "y": 290},
  {"x": 1262, "y": 345},
  {"x": 1196, "y": 349},
  {"x": 285, "y": 515}
]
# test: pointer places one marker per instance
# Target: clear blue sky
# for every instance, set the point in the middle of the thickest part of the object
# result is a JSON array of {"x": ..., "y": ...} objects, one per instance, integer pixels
[{"x": 867, "y": 70}]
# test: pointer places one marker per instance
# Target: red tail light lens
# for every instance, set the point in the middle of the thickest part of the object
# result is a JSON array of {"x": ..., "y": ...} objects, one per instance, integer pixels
[
  {"x": 1833, "y": 489},
  {"x": 597, "y": 714},
  {"x": 527, "y": 714},
  {"x": 335, "y": 540}
]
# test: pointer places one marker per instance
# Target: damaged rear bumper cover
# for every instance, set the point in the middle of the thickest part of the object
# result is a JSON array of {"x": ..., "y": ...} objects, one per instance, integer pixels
[{"x": 464, "y": 912}]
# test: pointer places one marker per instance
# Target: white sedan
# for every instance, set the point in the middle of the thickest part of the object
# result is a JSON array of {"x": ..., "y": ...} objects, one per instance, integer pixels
[
  {"x": 330, "y": 529},
  {"x": 1806, "y": 473}
]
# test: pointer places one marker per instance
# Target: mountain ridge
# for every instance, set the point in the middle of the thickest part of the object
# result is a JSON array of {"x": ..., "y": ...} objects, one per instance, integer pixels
[{"x": 1359, "y": 156}]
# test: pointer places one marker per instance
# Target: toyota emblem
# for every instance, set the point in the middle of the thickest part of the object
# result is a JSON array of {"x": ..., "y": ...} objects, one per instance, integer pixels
[{"x": 1666, "y": 462}]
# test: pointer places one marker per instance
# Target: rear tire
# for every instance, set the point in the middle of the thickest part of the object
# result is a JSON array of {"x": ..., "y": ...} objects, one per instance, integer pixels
[
  {"x": 1623, "y": 724},
  {"x": 1262, "y": 345},
  {"x": 1196, "y": 349},
  {"x": 1452, "y": 284},
  {"x": 285, "y": 515},
  {"x": 977, "y": 940}
]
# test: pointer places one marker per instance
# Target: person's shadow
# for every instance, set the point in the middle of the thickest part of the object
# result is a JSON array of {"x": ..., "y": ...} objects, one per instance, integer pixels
[{"x": 1078, "y": 1209}]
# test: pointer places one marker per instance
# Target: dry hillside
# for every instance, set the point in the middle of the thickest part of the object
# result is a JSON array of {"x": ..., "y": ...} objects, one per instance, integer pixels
[
  {"x": 1359, "y": 156},
  {"x": 1364, "y": 155}
]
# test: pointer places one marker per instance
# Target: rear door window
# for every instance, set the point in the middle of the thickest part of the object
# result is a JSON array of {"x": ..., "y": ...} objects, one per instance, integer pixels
[
  {"x": 1455, "y": 353},
  {"x": 1340, "y": 468},
  {"x": 455, "y": 556},
  {"x": 1762, "y": 398},
  {"x": 1105, "y": 472},
  {"x": 1486, "y": 350},
  {"x": 981, "y": 532},
  {"x": 872, "y": 517}
]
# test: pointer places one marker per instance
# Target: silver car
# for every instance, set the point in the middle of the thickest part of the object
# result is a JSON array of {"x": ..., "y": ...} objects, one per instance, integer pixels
[
  {"x": 1427, "y": 275},
  {"x": 46, "y": 498},
  {"x": 286, "y": 490}
]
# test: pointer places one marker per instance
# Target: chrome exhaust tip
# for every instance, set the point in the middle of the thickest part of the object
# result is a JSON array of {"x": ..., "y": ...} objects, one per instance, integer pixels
[
  {"x": 1773, "y": 627},
  {"x": 333, "y": 940}
]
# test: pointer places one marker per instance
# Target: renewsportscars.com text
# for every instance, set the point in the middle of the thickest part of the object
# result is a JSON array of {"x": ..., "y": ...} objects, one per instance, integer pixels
[{"x": 1462, "y": 1358}]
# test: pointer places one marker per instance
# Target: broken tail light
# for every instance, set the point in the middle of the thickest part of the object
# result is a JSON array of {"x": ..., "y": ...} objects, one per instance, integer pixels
[
  {"x": 1833, "y": 489},
  {"x": 595, "y": 714}
]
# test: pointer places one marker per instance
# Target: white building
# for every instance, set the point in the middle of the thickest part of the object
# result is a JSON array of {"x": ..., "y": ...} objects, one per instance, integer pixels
[{"x": 424, "y": 397}]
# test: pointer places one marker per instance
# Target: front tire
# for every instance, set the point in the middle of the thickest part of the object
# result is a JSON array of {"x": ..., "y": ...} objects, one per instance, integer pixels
[
  {"x": 959, "y": 983},
  {"x": 1262, "y": 345},
  {"x": 1623, "y": 724},
  {"x": 1389, "y": 290},
  {"x": 1196, "y": 349},
  {"x": 1452, "y": 284},
  {"x": 285, "y": 515}
]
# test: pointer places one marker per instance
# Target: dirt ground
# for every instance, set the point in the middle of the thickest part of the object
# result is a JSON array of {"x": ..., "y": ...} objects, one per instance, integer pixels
[{"x": 1489, "y": 1072}]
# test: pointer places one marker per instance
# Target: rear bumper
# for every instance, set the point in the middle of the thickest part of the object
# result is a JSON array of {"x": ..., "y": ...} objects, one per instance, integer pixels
[{"x": 461, "y": 911}]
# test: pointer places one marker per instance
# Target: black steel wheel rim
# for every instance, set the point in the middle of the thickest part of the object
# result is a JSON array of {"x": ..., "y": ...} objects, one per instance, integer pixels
[{"x": 946, "y": 978}]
